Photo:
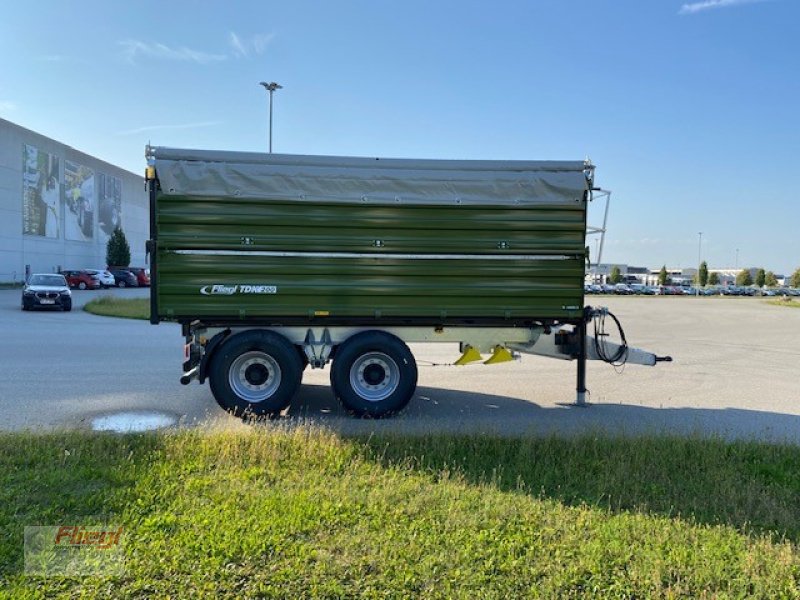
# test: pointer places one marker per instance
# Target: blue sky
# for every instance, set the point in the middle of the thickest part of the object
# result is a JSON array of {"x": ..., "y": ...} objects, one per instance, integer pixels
[{"x": 688, "y": 109}]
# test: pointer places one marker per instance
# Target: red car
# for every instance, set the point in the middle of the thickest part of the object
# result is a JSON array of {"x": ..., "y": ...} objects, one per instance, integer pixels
[
  {"x": 142, "y": 275},
  {"x": 81, "y": 280}
]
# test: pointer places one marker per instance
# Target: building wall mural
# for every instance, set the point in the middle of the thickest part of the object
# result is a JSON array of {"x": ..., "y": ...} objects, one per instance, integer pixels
[
  {"x": 109, "y": 215},
  {"x": 79, "y": 203},
  {"x": 41, "y": 193}
]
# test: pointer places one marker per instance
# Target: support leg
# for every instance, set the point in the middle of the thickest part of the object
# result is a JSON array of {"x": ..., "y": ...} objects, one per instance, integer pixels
[{"x": 580, "y": 399}]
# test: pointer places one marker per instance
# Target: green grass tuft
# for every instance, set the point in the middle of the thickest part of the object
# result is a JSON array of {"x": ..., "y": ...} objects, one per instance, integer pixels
[
  {"x": 127, "y": 308},
  {"x": 788, "y": 302},
  {"x": 294, "y": 512}
]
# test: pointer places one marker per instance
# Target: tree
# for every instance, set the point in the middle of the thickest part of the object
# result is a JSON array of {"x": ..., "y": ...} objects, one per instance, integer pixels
[
  {"x": 761, "y": 277},
  {"x": 663, "y": 278},
  {"x": 795, "y": 280},
  {"x": 770, "y": 280},
  {"x": 743, "y": 278},
  {"x": 118, "y": 252},
  {"x": 702, "y": 274},
  {"x": 713, "y": 279},
  {"x": 616, "y": 276}
]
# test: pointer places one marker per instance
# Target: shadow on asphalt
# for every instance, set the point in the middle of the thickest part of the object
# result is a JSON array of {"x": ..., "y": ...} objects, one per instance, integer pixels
[{"x": 453, "y": 411}]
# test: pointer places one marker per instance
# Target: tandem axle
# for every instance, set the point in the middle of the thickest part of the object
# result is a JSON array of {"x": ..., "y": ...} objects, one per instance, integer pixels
[{"x": 257, "y": 370}]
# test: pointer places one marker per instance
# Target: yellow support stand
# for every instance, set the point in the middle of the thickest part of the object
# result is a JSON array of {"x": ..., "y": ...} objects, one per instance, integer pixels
[
  {"x": 470, "y": 355},
  {"x": 499, "y": 355}
]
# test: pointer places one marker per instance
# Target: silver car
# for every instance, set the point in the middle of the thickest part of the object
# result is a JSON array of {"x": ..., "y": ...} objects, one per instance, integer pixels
[{"x": 106, "y": 279}]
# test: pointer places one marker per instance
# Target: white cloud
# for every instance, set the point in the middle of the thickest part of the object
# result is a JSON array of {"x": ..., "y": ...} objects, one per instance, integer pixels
[
  {"x": 238, "y": 47},
  {"x": 62, "y": 58},
  {"x": 135, "y": 48},
  {"x": 261, "y": 41},
  {"x": 244, "y": 47},
  {"x": 148, "y": 128},
  {"x": 695, "y": 7}
]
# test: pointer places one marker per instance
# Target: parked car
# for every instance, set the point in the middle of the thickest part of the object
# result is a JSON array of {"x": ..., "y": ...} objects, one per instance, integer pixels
[
  {"x": 142, "y": 275},
  {"x": 124, "y": 278},
  {"x": 46, "y": 290},
  {"x": 83, "y": 280},
  {"x": 638, "y": 288},
  {"x": 106, "y": 279},
  {"x": 623, "y": 289}
]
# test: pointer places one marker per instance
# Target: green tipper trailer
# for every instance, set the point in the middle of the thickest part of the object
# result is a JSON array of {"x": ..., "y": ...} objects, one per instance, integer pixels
[{"x": 276, "y": 262}]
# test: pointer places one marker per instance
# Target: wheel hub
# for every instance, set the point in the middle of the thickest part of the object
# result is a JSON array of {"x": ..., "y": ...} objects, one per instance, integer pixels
[
  {"x": 374, "y": 376},
  {"x": 255, "y": 376}
]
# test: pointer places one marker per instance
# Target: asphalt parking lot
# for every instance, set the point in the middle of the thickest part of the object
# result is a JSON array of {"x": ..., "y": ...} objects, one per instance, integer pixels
[{"x": 736, "y": 373}]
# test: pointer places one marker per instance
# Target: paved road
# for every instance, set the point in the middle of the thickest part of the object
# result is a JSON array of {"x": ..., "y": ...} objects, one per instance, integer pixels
[{"x": 736, "y": 374}]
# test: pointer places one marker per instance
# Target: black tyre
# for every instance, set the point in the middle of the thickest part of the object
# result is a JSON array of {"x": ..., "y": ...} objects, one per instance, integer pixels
[
  {"x": 374, "y": 374},
  {"x": 121, "y": 283},
  {"x": 67, "y": 306},
  {"x": 82, "y": 286},
  {"x": 255, "y": 373}
]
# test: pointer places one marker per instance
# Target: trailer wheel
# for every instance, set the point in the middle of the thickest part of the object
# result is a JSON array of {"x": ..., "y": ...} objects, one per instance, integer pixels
[
  {"x": 255, "y": 373},
  {"x": 374, "y": 374}
]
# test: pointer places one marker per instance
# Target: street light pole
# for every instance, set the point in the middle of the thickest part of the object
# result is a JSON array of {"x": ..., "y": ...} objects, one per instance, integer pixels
[
  {"x": 270, "y": 87},
  {"x": 699, "y": 260}
]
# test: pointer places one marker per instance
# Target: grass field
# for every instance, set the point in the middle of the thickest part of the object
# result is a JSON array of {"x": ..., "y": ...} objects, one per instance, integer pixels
[
  {"x": 272, "y": 512},
  {"x": 788, "y": 302},
  {"x": 130, "y": 308},
  {"x": 139, "y": 308}
]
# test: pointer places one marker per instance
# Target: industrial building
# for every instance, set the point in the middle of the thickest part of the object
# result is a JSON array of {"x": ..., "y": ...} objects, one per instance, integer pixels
[{"x": 58, "y": 206}]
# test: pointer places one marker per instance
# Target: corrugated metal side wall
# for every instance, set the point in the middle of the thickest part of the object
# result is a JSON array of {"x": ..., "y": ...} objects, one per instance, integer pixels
[{"x": 384, "y": 287}]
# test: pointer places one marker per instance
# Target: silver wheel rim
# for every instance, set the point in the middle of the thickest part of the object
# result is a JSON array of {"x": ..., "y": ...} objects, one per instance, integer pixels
[
  {"x": 374, "y": 376},
  {"x": 254, "y": 376}
]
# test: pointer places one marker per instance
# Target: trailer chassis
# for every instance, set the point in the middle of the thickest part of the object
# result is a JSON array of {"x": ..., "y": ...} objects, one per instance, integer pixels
[{"x": 318, "y": 344}]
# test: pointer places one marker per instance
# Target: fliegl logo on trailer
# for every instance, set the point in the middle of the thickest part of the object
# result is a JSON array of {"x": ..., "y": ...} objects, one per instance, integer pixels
[{"x": 219, "y": 289}]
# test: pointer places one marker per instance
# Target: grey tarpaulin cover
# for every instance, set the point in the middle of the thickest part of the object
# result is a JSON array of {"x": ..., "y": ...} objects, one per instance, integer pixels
[{"x": 369, "y": 180}]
